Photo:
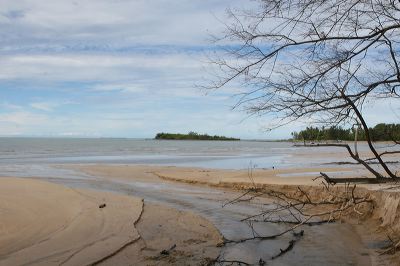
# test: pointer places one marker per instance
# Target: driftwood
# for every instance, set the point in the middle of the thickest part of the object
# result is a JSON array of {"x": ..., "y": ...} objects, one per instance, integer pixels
[
  {"x": 283, "y": 251},
  {"x": 363, "y": 180},
  {"x": 377, "y": 159},
  {"x": 222, "y": 261},
  {"x": 232, "y": 262},
  {"x": 356, "y": 163},
  {"x": 391, "y": 249},
  {"x": 296, "y": 222},
  {"x": 167, "y": 251},
  {"x": 298, "y": 209},
  {"x": 291, "y": 244}
]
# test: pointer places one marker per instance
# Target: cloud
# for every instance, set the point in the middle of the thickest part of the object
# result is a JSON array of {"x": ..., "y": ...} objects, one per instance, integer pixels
[
  {"x": 44, "y": 106},
  {"x": 110, "y": 22},
  {"x": 10, "y": 106},
  {"x": 114, "y": 68},
  {"x": 98, "y": 67},
  {"x": 14, "y": 14},
  {"x": 118, "y": 87},
  {"x": 129, "y": 66},
  {"x": 23, "y": 118}
]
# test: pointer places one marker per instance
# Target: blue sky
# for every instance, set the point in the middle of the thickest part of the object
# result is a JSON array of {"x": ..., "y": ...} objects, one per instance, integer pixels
[{"x": 101, "y": 68}]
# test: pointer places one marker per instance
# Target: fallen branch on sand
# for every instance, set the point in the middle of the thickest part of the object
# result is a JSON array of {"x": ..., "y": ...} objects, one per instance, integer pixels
[
  {"x": 230, "y": 262},
  {"x": 298, "y": 208},
  {"x": 295, "y": 222},
  {"x": 392, "y": 248},
  {"x": 291, "y": 244},
  {"x": 363, "y": 180},
  {"x": 167, "y": 251},
  {"x": 283, "y": 251},
  {"x": 357, "y": 163}
]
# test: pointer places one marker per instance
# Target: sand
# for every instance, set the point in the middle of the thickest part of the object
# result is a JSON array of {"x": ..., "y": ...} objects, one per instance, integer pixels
[
  {"x": 373, "y": 228},
  {"x": 214, "y": 177},
  {"x": 47, "y": 224}
]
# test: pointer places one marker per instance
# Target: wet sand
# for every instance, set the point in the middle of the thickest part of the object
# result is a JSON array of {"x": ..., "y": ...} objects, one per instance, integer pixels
[
  {"x": 48, "y": 224},
  {"x": 333, "y": 244},
  {"x": 66, "y": 226},
  {"x": 214, "y": 177}
]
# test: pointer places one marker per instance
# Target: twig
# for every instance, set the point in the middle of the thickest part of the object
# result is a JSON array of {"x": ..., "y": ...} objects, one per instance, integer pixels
[{"x": 283, "y": 251}]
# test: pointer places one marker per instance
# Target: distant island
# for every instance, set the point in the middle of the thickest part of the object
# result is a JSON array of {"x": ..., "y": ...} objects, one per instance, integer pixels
[
  {"x": 191, "y": 136},
  {"x": 380, "y": 132}
]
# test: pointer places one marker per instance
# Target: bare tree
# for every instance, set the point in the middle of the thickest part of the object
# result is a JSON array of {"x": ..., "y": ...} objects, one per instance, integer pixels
[{"x": 317, "y": 60}]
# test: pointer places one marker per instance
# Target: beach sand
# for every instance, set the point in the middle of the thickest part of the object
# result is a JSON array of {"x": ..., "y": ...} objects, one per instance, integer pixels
[
  {"x": 214, "y": 177},
  {"x": 47, "y": 224},
  {"x": 372, "y": 229}
]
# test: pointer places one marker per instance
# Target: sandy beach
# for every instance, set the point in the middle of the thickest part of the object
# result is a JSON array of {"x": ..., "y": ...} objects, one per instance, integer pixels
[
  {"x": 214, "y": 177},
  {"x": 371, "y": 229},
  {"x": 48, "y": 224},
  {"x": 52, "y": 224}
]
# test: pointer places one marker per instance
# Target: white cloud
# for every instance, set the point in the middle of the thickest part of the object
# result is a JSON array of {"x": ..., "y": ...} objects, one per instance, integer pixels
[
  {"x": 23, "y": 118},
  {"x": 73, "y": 67},
  {"x": 10, "y": 106},
  {"x": 111, "y": 22},
  {"x": 131, "y": 67},
  {"x": 119, "y": 87},
  {"x": 44, "y": 106}
]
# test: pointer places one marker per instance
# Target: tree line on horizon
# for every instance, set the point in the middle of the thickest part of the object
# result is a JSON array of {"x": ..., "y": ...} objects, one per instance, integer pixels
[
  {"x": 380, "y": 132},
  {"x": 191, "y": 136}
]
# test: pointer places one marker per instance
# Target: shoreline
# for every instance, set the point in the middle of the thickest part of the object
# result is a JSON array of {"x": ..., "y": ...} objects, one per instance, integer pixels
[
  {"x": 371, "y": 228},
  {"x": 366, "y": 235}
]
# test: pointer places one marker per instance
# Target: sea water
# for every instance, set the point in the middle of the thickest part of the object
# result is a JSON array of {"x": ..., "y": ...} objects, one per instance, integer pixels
[{"x": 36, "y": 156}]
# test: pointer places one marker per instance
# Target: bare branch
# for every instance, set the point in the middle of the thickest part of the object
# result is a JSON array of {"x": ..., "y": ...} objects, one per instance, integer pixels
[{"x": 319, "y": 60}]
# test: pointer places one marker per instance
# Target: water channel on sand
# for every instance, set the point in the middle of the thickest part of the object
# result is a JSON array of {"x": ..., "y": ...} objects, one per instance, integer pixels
[{"x": 333, "y": 244}]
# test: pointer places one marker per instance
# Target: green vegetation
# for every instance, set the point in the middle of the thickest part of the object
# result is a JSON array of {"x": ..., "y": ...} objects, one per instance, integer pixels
[
  {"x": 381, "y": 132},
  {"x": 191, "y": 136}
]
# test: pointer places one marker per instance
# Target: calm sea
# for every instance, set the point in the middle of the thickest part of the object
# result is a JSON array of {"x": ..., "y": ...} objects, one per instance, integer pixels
[{"x": 35, "y": 156}]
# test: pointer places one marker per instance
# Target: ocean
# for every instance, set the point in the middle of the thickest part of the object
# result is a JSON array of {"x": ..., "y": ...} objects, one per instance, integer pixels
[{"x": 38, "y": 156}]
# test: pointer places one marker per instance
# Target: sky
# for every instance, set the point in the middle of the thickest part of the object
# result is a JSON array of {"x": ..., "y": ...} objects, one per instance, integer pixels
[{"x": 120, "y": 68}]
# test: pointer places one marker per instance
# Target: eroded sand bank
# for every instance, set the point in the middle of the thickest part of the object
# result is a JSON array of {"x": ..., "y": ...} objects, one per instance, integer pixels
[{"x": 47, "y": 224}]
